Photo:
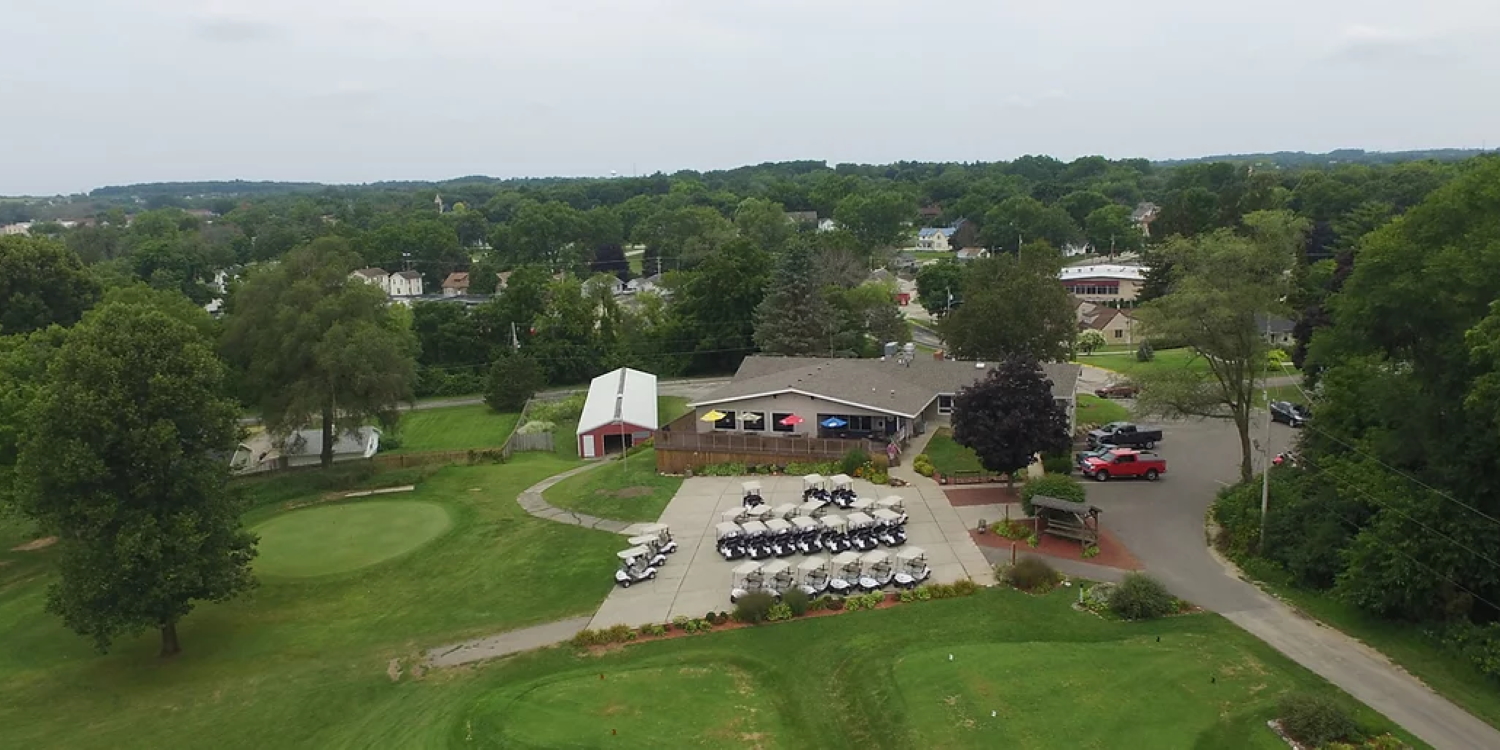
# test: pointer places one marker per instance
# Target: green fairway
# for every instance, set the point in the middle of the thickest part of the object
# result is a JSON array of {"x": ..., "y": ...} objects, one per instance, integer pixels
[
  {"x": 1095, "y": 410},
  {"x": 629, "y": 492},
  {"x": 454, "y": 428},
  {"x": 340, "y": 538},
  {"x": 948, "y": 457}
]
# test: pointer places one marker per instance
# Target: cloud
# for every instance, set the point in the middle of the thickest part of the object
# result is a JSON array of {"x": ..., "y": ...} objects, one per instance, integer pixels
[
  {"x": 235, "y": 30},
  {"x": 1375, "y": 45}
]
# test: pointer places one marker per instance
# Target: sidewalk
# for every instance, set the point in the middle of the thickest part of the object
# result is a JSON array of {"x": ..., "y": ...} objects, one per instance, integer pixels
[
  {"x": 954, "y": 531},
  {"x": 505, "y": 644},
  {"x": 532, "y": 502}
]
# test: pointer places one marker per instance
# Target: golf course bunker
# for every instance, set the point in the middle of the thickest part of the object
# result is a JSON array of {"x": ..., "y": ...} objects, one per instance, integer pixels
[
  {"x": 695, "y": 705},
  {"x": 340, "y": 538}
]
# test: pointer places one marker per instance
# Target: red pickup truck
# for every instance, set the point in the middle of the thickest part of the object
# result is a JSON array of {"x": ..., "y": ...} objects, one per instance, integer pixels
[{"x": 1124, "y": 462}]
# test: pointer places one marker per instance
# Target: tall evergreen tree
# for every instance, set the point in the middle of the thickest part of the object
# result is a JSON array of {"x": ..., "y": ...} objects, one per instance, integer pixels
[{"x": 794, "y": 319}]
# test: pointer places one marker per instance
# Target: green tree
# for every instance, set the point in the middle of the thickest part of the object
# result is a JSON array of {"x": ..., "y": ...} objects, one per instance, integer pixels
[
  {"x": 1223, "y": 284},
  {"x": 1023, "y": 219},
  {"x": 1009, "y": 417},
  {"x": 878, "y": 219},
  {"x": 430, "y": 245},
  {"x": 514, "y": 379},
  {"x": 764, "y": 223},
  {"x": 940, "y": 286},
  {"x": 713, "y": 309},
  {"x": 41, "y": 284},
  {"x": 1081, "y": 203},
  {"x": 1109, "y": 229},
  {"x": 794, "y": 319},
  {"x": 681, "y": 238},
  {"x": 317, "y": 347},
  {"x": 1089, "y": 341},
  {"x": 23, "y": 370},
  {"x": 125, "y": 461},
  {"x": 1012, "y": 306}
]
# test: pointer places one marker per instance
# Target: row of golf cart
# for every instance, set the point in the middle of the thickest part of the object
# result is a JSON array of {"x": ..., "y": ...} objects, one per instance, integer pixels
[
  {"x": 837, "y": 490},
  {"x": 843, "y": 574},
  {"x": 760, "y": 531},
  {"x": 648, "y": 551}
]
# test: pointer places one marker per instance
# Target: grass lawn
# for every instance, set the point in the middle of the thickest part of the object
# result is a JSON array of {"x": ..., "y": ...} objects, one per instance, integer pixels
[
  {"x": 931, "y": 255},
  {"x": 301, "y": 662},
  {"x": 454, "y": 428},
  {"x": 1124, "y": 362},
  {"x": 1095, "y": 410},
  {"x": 346, "y": 536},
  {"x": 669, "y": 408},
  {"x": 633, "y": 492},
  {"x": 949, "y": 457}
]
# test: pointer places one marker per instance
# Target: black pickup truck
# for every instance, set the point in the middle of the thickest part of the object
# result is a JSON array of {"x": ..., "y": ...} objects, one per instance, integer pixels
[{"x": 1124, "y": 433}]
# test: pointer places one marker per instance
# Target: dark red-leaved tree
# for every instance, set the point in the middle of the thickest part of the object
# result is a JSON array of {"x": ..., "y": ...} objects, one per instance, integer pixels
[{"x": 1010, "y": 416}]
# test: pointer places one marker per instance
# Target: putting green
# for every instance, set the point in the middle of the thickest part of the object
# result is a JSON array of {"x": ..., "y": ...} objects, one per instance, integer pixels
[
  {"x": 341, "y": 538},
  {"x": 692, "y": 705}
]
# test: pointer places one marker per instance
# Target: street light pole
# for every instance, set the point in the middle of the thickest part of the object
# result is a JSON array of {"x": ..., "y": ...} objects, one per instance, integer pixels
[{"x": 1265, "y": 475}]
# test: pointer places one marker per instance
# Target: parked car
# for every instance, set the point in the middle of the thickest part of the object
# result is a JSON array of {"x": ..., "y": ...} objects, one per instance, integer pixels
[
  {"x": 1289, "y": 413},
  {"x": 1125, "y": 462},
  {"x": 1081, "y": 457},
  {"x": 1118, "y": 390},
  {"x": 1124, "y": 434}
]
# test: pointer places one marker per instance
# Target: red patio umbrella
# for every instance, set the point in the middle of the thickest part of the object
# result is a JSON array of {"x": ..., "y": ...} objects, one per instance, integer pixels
[{"x": 791, "y": 419}]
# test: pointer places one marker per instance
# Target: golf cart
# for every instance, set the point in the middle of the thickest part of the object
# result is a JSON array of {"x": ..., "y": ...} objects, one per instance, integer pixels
[
  {"x": 807, "y": 532},
  {"x": 651, "y": 544},
  {"x": 835, "y": 533},
  {"x": 814, "y": 487},
  {"x": 813, "y": 509},
  {"x": 862, "y": 532},
  {"x": 634, "y": 567},
  {"x": 784, "y": 511},
  {"x": 750, "y": 491},
  {"x": 894, "y": 504},
  {"x": 730, "y": 540},
  {"x": 861, "y": 505},
  {"x": 757, "y": 540},
  {"x": 890, "y": 528},
  {"x": 783, "y": 543},
  {"x": 845, "y": 578},
  {"x": 843, "y": 490},
  {"x": 911, "y": 567},
  {"x": 777, "y": 577},
  {"x": 747, "y": 580},
  {"x": 875, "y": 570},
  {"x": 812, "y": 575},
  {"x": 662, "y": 532},
  {"x": 758, "y": 513},
  {"x": 734, "y": 515}
]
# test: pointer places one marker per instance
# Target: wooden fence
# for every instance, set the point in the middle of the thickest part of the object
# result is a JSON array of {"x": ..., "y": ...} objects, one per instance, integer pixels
[
  {"x": 678, "y": 451},
  {"x": 536, "y": 441}
]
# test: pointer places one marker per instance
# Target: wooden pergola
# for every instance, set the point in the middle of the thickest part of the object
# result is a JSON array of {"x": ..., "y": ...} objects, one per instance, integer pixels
[{"x": 1067, "y": 519}]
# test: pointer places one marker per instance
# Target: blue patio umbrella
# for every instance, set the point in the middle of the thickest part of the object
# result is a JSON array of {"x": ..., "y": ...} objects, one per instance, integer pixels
[{"x": 833, "y": 423}]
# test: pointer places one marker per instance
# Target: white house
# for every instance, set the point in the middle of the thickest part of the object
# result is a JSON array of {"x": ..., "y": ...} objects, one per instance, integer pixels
[
  {"x": 406, "y": 284},
  {"x": 935, "y": 239},
  {"x": 456, "y": 284},
  {"x": 827, "y": 225},
  {"x": 264, "y": 452},
  {"x": 1103, "y": 282},
  {"x": 376, "y": 276},
  {"x": 23, "y": 227},
  {"x": 971, "y": 253}
]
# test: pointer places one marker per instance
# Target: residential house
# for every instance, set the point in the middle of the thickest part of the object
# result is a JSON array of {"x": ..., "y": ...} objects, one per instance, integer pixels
[
  {"x": 971, "y": 253},
  {"x": 1145, "y": 212},
  {"x": 406, "y": 284},
  {"x": 827, "y": 225},
  {"x": 265, "y": 452},
  {"x": 905, "y": 262},
  {"x": 377, "y": 276},
  {"x": 1117, "y": 325},
  {"x": 501, "y": 279},
  {"x": 1277, "y": 331},
  {"x": 1075, "y": 249},
  {"x": 1104, "y": 282},
  {"x": 20, "y": 227},
  {"x": 615, "y": 285},
  {"x": 930, "y": 212},
  {"x": 935, "y": 239},
  {"x": 888, "y": 398},
  {"x": 457, "y": 284},
  {"x": 802, "y": 217}
]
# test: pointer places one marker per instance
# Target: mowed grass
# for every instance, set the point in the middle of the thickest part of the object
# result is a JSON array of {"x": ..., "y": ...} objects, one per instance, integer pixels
[
  {"x": 1095, "y": 410},
  {"x": 302, "y": 662},
  {"x": 454, "y": 428},
  {"x": 629, "y": 492},
  {"x": 669, "y": 408},
  {"x": 348, "y": 536},
  {"x": 1125, "y": 363},
  {"x": 948, "y": 457}
]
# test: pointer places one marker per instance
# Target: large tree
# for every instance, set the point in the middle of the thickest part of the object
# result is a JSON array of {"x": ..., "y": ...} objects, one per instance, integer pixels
[
  {"x": 713, "y": 308},
  {"x": 940, "y": 286},
  {"x": 125, "y": 461},
  {"x": 1224, "y": 286},
  {"x": 316, "y": 347},
  {"x": 1022, "y": 220},
  {"x": 1010, "y": 416},
  {"x": 41, "y": 283},
  {"x": 1110, "y": 230},
  {"x": 1012, "y": 306},
  {"x": 794, "y": 319},
  {"x": 877, "y": 219}
]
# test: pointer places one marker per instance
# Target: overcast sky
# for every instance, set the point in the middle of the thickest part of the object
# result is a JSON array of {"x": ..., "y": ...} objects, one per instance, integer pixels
[{"x": 100, "y": 92}]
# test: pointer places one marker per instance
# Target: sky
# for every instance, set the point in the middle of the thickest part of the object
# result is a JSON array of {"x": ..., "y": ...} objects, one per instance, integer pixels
[{"x": 108, "y": 92}]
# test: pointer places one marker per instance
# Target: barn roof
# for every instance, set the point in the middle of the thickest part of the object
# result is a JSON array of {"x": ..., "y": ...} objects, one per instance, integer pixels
[{"x": 621, "y": 396}]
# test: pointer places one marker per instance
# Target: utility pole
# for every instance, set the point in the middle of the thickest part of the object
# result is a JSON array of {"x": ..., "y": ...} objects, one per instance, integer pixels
[
  {"x": 515, "y": 343},
  {"x": 1265, "y": 475}
]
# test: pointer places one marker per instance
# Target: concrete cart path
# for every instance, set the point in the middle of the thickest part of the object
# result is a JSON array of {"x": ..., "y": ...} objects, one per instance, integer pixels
[
  {"x": 505, "y": 644},
  {"x": 532, "y": 502}
]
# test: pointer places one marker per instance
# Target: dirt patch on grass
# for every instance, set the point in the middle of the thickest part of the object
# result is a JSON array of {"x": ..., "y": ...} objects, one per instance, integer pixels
[
  {"x": 627, "y": 492},
  {"x": 35, "y": 544}
]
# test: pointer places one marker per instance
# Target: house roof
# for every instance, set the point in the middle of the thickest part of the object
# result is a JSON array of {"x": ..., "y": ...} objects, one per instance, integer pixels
[
  {"x": 457, "y": 280},
  {"x": 309, "y": 443},
  {"x": 931, "y": 231},
  {"x": 1273, "y": 324},
  {"x": 971, "y": 252},
  {"x": 409, "y": 275},
  {"x": 1102, "y": 271},
  {"x": 372, "y": 273},
  {"x": 880, "y": 385},
  {"x": 803, "y": 217},
  {"x": 1100, "y": 320},
  {"x": 1144, "y": 210},
  {"x": 622, "y": 396}
]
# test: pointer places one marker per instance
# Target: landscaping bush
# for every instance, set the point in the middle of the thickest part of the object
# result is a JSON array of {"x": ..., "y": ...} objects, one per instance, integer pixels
[
  {"x": 1031, "y": 574},
  {"x": 1057, "y": 463},
  {"x": 1144, "y": 352},
  {"x": 1314, "y": 720},
  {"x": 1141, "y": 597},
  {"x": 514, "y": 379},
  {"x": 922, "y": 464},
  {"x": 797, "y": 601},
  {"x": 1060, "y": 486},
  {"x": 536, "y": 427},
  {"x": 1009, "y": 529},
  {"x": 802, "y": 469},
  {"x": 557, "y": 411},
  {"x": 964, "y": 587},
  {"x": 864, "y": 601},
  {"x": 1097, "y": 596},
  {"x": 1090, "y": 551},
  {"x": 779, "y": 612},
  {"x": 853, "y": 460},
  {"x": 754, "y": 607}
]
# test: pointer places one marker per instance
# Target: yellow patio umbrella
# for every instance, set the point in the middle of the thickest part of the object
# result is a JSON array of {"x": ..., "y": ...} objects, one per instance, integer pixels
[{"x": 713, "y": 415}]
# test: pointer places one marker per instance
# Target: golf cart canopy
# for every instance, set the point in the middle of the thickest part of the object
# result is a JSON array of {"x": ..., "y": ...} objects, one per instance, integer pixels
[
  {"x": 750, "y": 488},
  {"x": 811, "y": 506},
  {"x": 775, "y": 567},
  {"x": 874, "y": 558},
  {"x": 846, "y": 558},
  {"x": 804, "y": 523},
  {"x": 911, "y": 554},
  {"x": 888, "y": 516},
  {"x": 759, "y": 512},
  {"x": 632, "y": 553},
  {"x": 841, "y": 480},
  {"x": 643, "y": 541},
  {"x": 784, "y": 510},
  {"x": 835, "y": 522},
  {"x": 777, "y": 525},
  {"x": 733, "y": 515},
  {"x": 812, "y": 563},
  {"x": 861, "y": 504},
  {"x": 812, "y": 480},
  {"x": 746, "y": 568},
  {"x": 656, "y": 528},
  {"x": 859, "y": 519},
  {"x": 753, "y": 527},
  {"x": 728, "y": 529},
  {"x": 891, "y": 501}
]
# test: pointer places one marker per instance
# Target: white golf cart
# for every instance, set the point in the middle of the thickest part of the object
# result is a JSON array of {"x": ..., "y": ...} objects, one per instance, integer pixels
[
  {"x": 784, "y": 511},
  {"x": 782, "y": 542},
  {"x": 875, "y": 570},
  {"x": 812, "y": 509},
  {"x": 890, "y": 528},
  {"x": 777, "y": 577},
  {"x": 651, "y": 544},
  {"x": 807, "y": 534},
  {"x": 911, "y": 567},
  {"x": 757, "y": 540},
  {"x": 759, "y": 513},
  {"x": 812, "y": 575},
  {"x": 843, "y": 490},
  {"x": 835, "y": 533},
  {"x": 846, "y": 570},
  {"x": 814, "y": 487},
  {"x": 729, "y": 539},
  {"x": 634, "y": 567},
  {"x": 861, "y": 505},
  {"x": 747, "y": 579},
  {"x": 750, "y": 494},
  {"x": 662, "y": 532},
  {"x": 862, "y": 532},
  {"x": 894, "y": 504},
  {"x": 734, "y": 515}
]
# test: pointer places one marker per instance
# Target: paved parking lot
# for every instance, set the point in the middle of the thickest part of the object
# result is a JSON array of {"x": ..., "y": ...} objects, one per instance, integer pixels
[{"x": 696, "y": 580}]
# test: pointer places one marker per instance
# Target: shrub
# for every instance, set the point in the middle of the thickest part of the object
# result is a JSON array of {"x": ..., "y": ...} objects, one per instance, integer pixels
[
  {"x": 1057, "y": 463},
  {"x": 1141, "y": 597},
  {"x": 514, "y": 379},
  {"x": 1314, "y": 720},
  {"x": 585, "y": 638},
  {"x": 1090, "y": 551},
  {"x": 922, "y": 464},
  {"x": 557, "y": 411},
  {"x": 723, "y": 617},
  {"x": 654, "y": 629},
  {"x": 797, "y": 601},
  {"x": 680, "y": 622},
  {"x": 834, "y": 604},
  {"x": 1096, "y": 598},
  {"x": 855, "y": 458},
  {"x": 617, "y": 633},
  {"x": 1477, "y": 644},
  {"x": 779, "y": 612},
  {"x": 1009, "y": 529},
  {"x": 1060, "y": 486},
  {"x": 1144, "y": 352},
  {"x": 536, "y": 427},
  {"x": 908, "y": 595},
  {"x": 1031, "y": 574},
  {"x": 965, "y": 587},
  {"x": 754, "y": 607},
  {"x": 1033, "y": 540}
]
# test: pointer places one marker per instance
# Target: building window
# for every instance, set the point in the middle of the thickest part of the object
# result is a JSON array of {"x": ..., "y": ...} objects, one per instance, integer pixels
[
  {"x": 776, "y": 424},
  {"x": 1119, "y": 333},
  {"x": 726, "y": 422},
  {"x": 945, "y": 404},
  {"x": 754, "y": 424}
]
